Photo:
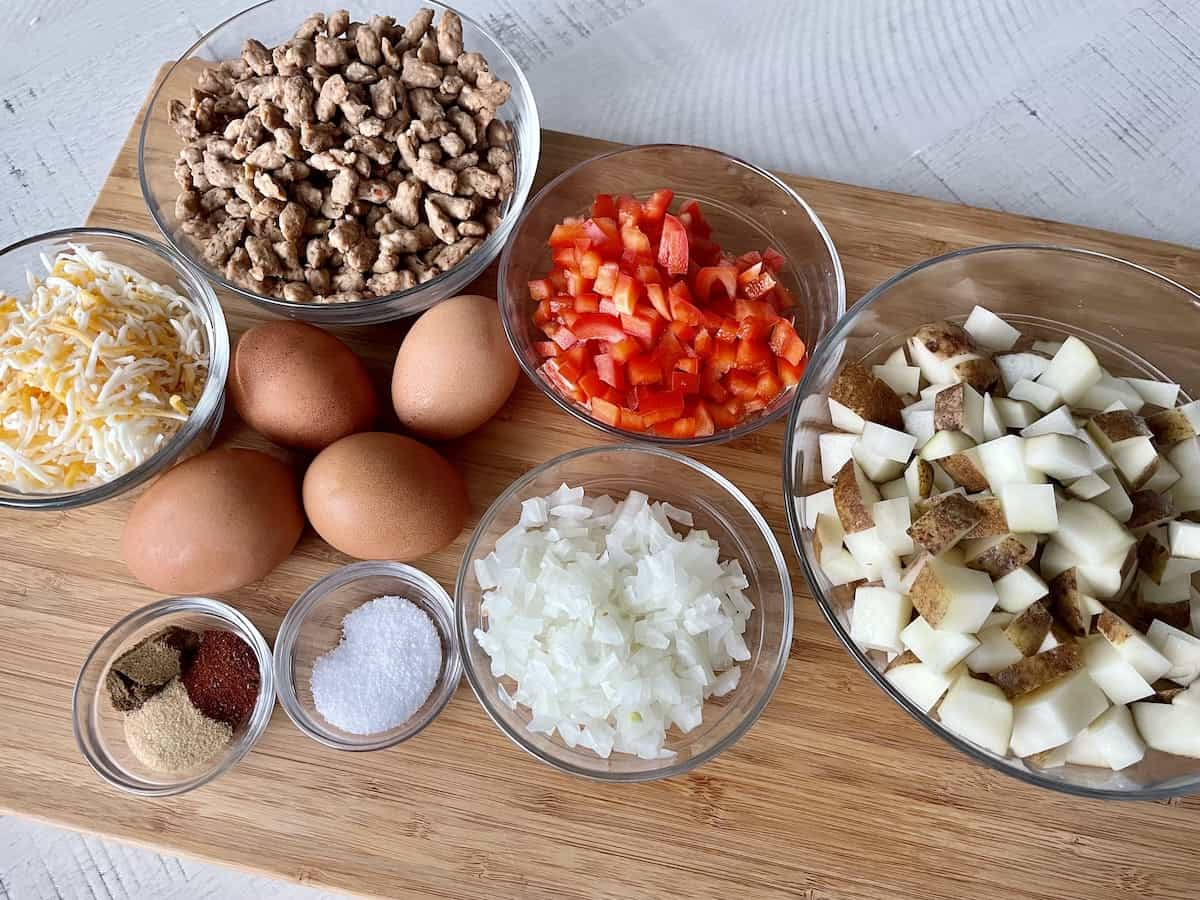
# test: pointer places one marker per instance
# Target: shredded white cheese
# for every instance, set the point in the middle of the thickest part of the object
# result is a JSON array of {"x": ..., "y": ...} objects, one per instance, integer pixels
[{"x": 99, "y": 366}]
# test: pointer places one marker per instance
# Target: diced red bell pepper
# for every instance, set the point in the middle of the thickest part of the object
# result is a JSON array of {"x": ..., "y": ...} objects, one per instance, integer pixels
[
  {"x": 567, "y": 314},
  {"x": 607, "y": 306},
  {"x": 704, "y": 420},
  {"x": 788, "y": 374},
  {"x": 610, "y": 371},
  {"x": 578, "y": 356},
  {"x": 673, "y": 246},
  {"x": 563, "y": 376},
  {"x": 754, "y": 309},
  {"x": 688, "y": 364},
  {"x": 773, "y": 259},
  {"x": 565, "y": 235},
  {"x": 686, "y": 333},
  {"x": 564, "y": 257},
  {"x": 631, "y": 421},
  {"x": 647, "y": 273},
  {"x": 786, "y": 344},
  {"x": 697, "y": 224},
  {"x": 545, "y": 349},
  {"x": 755, "y": 285},
  {"x": 753, "y": 405},
  {"x": 540, "y": 289},
  {"x": 626, "y": 293},
  {"x": 589, "y": 263},
  {"x": 726, "y": 413},
  {"x": 702, "y": 343},
  {"x": 710, "y": 385},
  {"x": 644, "y": 370},
  {"x": 769, "y": 386},
  {"x": 587, "y": 303},
  {"x": 742, "y": 384},
  {"x": 711, "y": 276},
  {"x": 542, "y": 314},
  {"x": 683, "y": 427},
  {"x": 747, "y": 260},
  {"x": 604, "y": 411},
  {"x": 669, "y": 351},
  {"x": 685, "y": 382},
  {"x": 603, "y": 206},
  {"x": 598, "y": 327},
  {"x": 753, "y": 356},
  {"x": 561, "y": 335},
  {"x": 657, "y": 406},
  {"x": 657, "y": 205},
  {"x": 724, "y": 357},
  {"x": 605, "y": 235},
  {"x": 635, "y": 241},
  {"x": 702, "y": 251},
  {"x": 590, "y": 384},
  {"x": 752, "y": 329},
  {"x": 625, "y": 349},
  {"x": 606, "y": 279},
  {"x": 682, "y": 308},
  {"x": 658, "y": 299},
  {"x": 577, "y": 284},
  {"x": 558, "y": 281},
  {"x": 629, "y": 211}
]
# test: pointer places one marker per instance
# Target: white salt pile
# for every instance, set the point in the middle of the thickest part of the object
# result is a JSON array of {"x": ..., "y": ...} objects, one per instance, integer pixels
[{"x": 383, "y": 670}]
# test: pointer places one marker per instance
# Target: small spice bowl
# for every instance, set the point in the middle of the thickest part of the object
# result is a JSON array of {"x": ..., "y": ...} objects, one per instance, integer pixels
[
  {"x": 313, "y": 626},
  {"x": 99, "y": 726}
]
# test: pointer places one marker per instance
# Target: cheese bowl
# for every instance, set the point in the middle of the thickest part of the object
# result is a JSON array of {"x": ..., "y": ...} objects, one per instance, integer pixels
[{"x": 161, "y": 265}]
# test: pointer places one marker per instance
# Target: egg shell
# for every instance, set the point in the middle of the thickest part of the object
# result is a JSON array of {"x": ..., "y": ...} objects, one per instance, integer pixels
[
  {"x": 376, "y": 495},
  {"x": 214, "y": 523},
  {"x": 454, "y": 370},
  {"x": 300, "y": 386}
]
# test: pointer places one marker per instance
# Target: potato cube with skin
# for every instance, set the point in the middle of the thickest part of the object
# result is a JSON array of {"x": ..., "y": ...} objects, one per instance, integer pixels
[
  {"x": 1060, "y": 456},
  {"x": 815, "y": 504},
  {"x": 1156, "y": 393},
  {"x": 1030, "y": 673},
  {"x": 1000, "y": 554},
  {"x": 844, "y": 418},
  {"x": 853, "y": 496},
  {"x": 918, "y": 480},
  {"x": 1072, "y": 371},
  {"x": 842, "y": 568},
  {"x": 1181, "y": 648},
  {"x": 1090, "y": 533},
  {"x": 966, "y": 468},
  {"x": 903, "y": 379},
  {"x": 1115, "y": 675},
  {"x": 1028, "y": 630},
  {"x": 1164, "y": 477},
  {"x": 1055, "y": 713},
  {"x": 952, "y": 597},
  {"x": 892, "y": 520},
  {"x": 1097, "y": 458},
  {"x": 894, "y": 489},
  {"x": 1042, "y": 397},
  {"x": 978, "y": 712},
  {"x": 1185, "y": 539},
  {"x": 897, "y": 358},
  {"x": 995, "y": 652},
  {"x": 1015, "y": 413},
  {"x": 918, "y": 421},
  {"x": 1115, "y": 501},
  {"x": 1169, "y": 727},
  {"x": 1018, "y": 589},
  {"x": 1137, "y": 461},
  {"x": 959, "y": 408},
  {"x": 836, "y": 449},
  {"x": 827, "y": 537},
  {"x": 1112, "y": 741},
  {"x": 877, "y": 468},
  {"x": 1004, "y": 463},
  {"x": 1109, "y": 391},
  {"x": 1030, "y": 507},
  {"x": 1087, "y": 487},
  {"x": 871, "y": 553},
  {"x": 1174, "y": 425},
  {"x": 1016, "y": 367},
  {"x": 888, "y": 442},
  {"x": 945, "y": 524},
  {"x": 878, "y": 617},
  {"x": 945, "y": 443},
  {"x": 990, "y": 331},
  {"x": 940, "y": 650},
  {"x": 865, "y": 397},
  {"x": 1058, "y": 421},
  {"x": 1185, "y": 493},
  {"x": 993, "y": 425},
  {"x": 922, "y": 684},
  {"x": 1138, "y": 651}
]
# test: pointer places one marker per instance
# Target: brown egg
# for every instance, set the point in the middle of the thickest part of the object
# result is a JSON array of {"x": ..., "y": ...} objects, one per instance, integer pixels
[
  {"x": 376, "y": 495},
  {"x": 454, "y": 370},
  {"x": 299, "y": 386},
  {"x": 214, "y": 523}
]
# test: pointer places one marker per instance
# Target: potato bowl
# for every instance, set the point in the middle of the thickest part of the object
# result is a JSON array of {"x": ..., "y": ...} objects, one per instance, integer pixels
[{"x": 1138, "y": 323}]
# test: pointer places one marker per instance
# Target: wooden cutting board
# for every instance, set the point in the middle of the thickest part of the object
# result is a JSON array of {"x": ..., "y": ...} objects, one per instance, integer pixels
[{"x": 834, "y": 793}]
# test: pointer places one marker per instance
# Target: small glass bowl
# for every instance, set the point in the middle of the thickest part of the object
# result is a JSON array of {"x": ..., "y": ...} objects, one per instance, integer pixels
[
  {"x": 729, "y": 517},
  {"x": 313, "y": 627},
  {"x": 273, "y": 22},
  {"x": 1138, "y": 323},
  {"x": 748, "y": 208},
  {"x": 164, "y": 265},
  {"x": 99, "y": 730}
]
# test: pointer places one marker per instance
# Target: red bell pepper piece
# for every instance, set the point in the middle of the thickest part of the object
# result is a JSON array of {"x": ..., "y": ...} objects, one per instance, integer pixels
[
  {"x": 673, "y": 246},
  {"x": 688, "y": 364},
  {"x": 606, "y": 279},
  {"x": 686, "y": 333},
  {"x": 769, "y": 386},
  {"x": 590, "y": 384},
  {"x": 657, "y": 205},
  {"x": 625, "y": 349},
  {"x": 577, "y": 284},
  {"x": 545, "y": 349},
  {"x": 589, "y": 263},
  {"x": 773, "y": 259},
  {"x": 788, "y": 374},
  {"x": 685, "y": 382},
  {"x": 626, "y": 293},
  {"x": 724, "y": 357},
  {"x": 748, "y": 260},
  {"x": 598, "y": 327},
  {"x": 604, "y": 411},
  {"x": 605, "y": 236},
  {"x": 786, "y": 344},
  {"x": 604, "y": 207},
  {"x": 697, "y": 224},
  {"x": 704, "y": 420},
  {"x": 711, "y": 276},
  {"x": 565, "y": 235},
  {"x": 587, "y": 303},
  {"x": 629, "y": 211},
  {"x": 742, "y": 384},
  {"x": 540, "y": 289},
  {"x": 563, "y": 376},
  {"x": 658, "y": 299},
  {"x": 753, "y": 356},
  {"x": 610, "y": 371},
  {"x": 657, "y": 406},
  {"x": 635, "y": 241},
  {"x": 644, "y": 370}
]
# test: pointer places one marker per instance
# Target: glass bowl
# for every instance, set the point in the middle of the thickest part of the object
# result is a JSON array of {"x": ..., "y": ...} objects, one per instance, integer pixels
[
  {"x": 273, "y": 22},
  {"x": 729, "y": 517},
  {"x": 167, "y": 267},
  {"x": 748, "y": 208},
  {"x": 98, "y": 725},
  {"x": 1138, "y": 323},
  {"x": 313, "y": 626}
]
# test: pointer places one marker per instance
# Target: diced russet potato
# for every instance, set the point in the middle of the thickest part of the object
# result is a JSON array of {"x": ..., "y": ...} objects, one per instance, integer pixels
[
  {"x": 1156, "y": 393},
  {"x": 889, "y": 443},
  {"x": 952, "y": 597},
  {"x": 1138, "y": 651},
  {"x": 894, "y": 489},
  {"x": 1087, "y": 487},
  {"x": 1185, "y": 457},
  {"x": 945, "y": 524},
  {"x": 1004, "y": 463},
  {"x": 1115, "y": 501},
  {"x": 1047, "y": 348},
  {"x": 1060, "y": 456},
  {"x": 817, "y": 503},
  {"x": 870, "y": 398},
  {"x": 1112, "y": 429},
  {"x": 872, "y": 554},
  {"x": 1029, "y": 673},
  {"x": 877, "y": 468},
  {"x": 1000, "y": 554},
  {"x": 1029, "y": 628},
  {"x": 998, "y": 618},
  {"x": 903, "y": 379},
  {"x": 892, "y": 520},
  {"x": 827, "y": 537},
  {"x": 1072, "y": 371},
  {"x": 922, "y": 684},
  {"x": 1169, "y": 727},
  {"x": 1097, "y": 458},
  {"x": 993, "y": 522},
  {"x": 1015, "y": 413},
  {"x": 836, "y": 449},
  {"x": 1155, "y": 559},
  {"x": 1137, "y": 462},
  {"x": 918, "y": 479},
  {"x": 1017, "y": 590},
  {"x": 940, "y": 650},
  {"x": 1150, "y": 510},
  {"x": 1178, "y": 646},
  {"x": 842, "y": 568},
  {"x": 1111, "y": 741},
  {"x": 978, "y": 712},
  {"x": 1030, "y": 507},
  {"x": 1055, "y": 713},
  {"x": 1185, "y": 539},
  {"x": 994, "y": 653},
  {"x": 993, "y": 426},
  {"x": 989, "y": 331},
  {"x": 878, "y": 617},
  {"x": 959, "y": 408},
  {"x": 1089, "y": 532},
  {"x": 1057, "y": 421},
  {"x": 945, "y": 443},
  {"x": 1115, "y": 675},
  {"x": 1170, "y": 426},
  {"x": 1068, "y": 602},
  {"x": 946, "y": 354},
  {"x": 966, "y": 469},
  {"x": 1164, "y": 477},
  {"x": 1020, "y": 366},
  {"x": 1109, "y": 391},
  {"x": 853, "y": 496},
  {"x": 1039, "y": 395}
]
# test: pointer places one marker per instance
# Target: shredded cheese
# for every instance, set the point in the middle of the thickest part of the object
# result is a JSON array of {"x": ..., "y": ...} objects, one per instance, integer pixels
[{"x": 99, "y": 366}]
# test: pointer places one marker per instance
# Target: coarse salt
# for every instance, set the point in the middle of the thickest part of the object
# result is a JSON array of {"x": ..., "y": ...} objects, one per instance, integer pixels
[{"x": 382, "y": 672}]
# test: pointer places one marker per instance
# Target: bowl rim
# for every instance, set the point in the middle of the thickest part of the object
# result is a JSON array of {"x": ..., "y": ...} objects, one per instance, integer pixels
[
  {"x": 718, "y": 437},
  {"x": 518, "y": 736},
  {"x": 795, "y": 525},
  {"x": 212, "y": 396},
  {"x": 489, "y": 249},
  {"x": 310, "y": 598},
  {"x": 264, "y": 705}
]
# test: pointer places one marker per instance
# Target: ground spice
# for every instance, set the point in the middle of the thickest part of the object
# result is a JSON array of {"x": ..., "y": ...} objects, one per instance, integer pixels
[
  {"x": 143, "y": 670},
  {"x": 223, "y": 680},
  {"x": 168, "y": 734}
]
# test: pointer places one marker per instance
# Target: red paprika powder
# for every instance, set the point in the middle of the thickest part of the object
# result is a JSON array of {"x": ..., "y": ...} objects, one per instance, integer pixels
[{"x": 223, "y": 681}]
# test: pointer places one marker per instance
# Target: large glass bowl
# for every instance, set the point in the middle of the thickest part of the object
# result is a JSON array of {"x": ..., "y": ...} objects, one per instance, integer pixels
[
  {"x": 167, "y": 267},
  {"x": 729, "y": 517},
  {"x": 98, "y": 725},
  {"x": 1139, "y": 324},
  {"x": 748, "y": 208},
  {"x": 273, "y": 22}
]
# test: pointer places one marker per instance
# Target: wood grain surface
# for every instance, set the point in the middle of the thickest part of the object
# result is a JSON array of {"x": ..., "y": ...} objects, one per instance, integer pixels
[{"x": 834, "y": 793}]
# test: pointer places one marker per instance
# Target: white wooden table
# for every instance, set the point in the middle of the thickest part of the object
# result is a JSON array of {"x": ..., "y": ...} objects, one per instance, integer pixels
[{"x": 1081, "y": 110}]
